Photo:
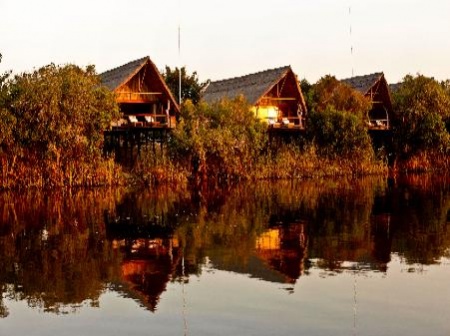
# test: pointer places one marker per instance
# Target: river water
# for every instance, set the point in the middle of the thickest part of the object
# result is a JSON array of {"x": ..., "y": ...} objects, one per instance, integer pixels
[{"x": 335, "y": 257}]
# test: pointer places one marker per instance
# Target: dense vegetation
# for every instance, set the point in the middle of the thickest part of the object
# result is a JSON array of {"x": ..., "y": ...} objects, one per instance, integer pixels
[
  {"x": 52, "y": 121},
  {"x": 421, "y": 123},
  {"x": 223, "y": 140},
  {"x": 232, "y": 143},
  {"x": 336, "y": 123},
  {"x": 190, "y": 85}
]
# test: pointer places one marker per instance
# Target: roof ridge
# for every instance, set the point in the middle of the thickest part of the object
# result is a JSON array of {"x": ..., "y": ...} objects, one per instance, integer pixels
[
  {"x": 250, "y": 74},
  {"x": 139, "y": 60},
  {"x": 378, "y": 73}
]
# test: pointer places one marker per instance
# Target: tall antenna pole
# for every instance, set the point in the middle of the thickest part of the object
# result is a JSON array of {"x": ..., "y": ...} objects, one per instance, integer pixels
[
  {"x": 179, "y": 54},
  {"x": 183, "y": 293},
  {"x": 351, "y": 39},
  {"x": 355, "y": 303},
  {"x": 179, "y": 65}
]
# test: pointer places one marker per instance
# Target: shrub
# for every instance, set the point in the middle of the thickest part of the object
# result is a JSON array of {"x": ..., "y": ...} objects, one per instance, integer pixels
[
  {"x": 220, "y": 141},
  {"x": 339, "y": 134},
  {"x": 422, "y": 109},
  {"x": 54, "y": 119}
]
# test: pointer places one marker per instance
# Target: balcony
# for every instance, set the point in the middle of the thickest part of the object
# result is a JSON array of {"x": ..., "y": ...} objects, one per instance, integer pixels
[{"x": 137, "y": 97}]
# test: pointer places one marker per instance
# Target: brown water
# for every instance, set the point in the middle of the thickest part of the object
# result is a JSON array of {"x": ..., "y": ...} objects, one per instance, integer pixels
[{"x": 356, "y": 257}]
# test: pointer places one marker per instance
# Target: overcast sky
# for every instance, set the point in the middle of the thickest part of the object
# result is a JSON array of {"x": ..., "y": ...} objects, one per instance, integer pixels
[{"x": 227, "y": 38}]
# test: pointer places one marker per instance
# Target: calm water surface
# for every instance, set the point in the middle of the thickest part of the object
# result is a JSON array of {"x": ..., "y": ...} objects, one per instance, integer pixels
[{"x": 356, "y": 257}]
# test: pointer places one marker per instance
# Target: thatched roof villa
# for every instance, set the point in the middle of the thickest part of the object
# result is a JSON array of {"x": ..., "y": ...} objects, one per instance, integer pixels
[
  {"x": 376, "y": 88},
  {"x": 142, "y": 94},
  {"x": 275, "y": 95}
]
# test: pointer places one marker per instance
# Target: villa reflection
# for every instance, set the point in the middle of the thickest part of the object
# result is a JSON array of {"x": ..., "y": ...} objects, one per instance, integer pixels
[
  {"x": 147, "y": 266},
  {"x": 284, "y": 249},
  {"x": 62, "y": 251}
]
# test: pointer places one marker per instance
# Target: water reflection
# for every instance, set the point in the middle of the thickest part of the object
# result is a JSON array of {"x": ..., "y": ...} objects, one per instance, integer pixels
[
  {"x": 61, "y": 251},
  {"x": 53, "y": 252}
]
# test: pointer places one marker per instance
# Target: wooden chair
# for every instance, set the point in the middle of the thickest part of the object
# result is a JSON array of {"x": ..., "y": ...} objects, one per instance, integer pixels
[{"x": 134, "y": 121}]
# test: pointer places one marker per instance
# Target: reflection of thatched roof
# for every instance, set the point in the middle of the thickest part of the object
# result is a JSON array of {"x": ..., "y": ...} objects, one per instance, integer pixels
[
  {"x": 147, "y": 267},
  {"x": 254, "y": 267},
  {"x": 253, "y": 87},
  {"x": 363, "y": 83},
  {"x": 116, "y": 77}
]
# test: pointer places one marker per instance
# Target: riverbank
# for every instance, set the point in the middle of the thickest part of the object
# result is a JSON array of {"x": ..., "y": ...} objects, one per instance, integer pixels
[{"x": 154, "y": 169}]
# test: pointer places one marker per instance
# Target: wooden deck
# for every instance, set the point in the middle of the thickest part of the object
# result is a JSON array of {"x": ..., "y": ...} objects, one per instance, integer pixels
[
  {"x": 291, "y": 128},
  {"x": 279, "y": 133}
]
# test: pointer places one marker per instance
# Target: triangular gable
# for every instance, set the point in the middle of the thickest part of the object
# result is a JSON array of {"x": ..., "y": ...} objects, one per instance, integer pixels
[
  {"x": 117, "y": 78},
  {"x": 288, "y": 72},
  {"x": 253, "y": 86},
  {"x": 371, "y": 84},
  {"x": 363, "y": 83}
]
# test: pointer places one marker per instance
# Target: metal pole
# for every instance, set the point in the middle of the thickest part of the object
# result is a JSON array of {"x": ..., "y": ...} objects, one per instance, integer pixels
[{"x": 179, "y": 65}]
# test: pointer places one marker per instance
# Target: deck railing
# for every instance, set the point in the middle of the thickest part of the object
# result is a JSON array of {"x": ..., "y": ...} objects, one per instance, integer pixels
[
  {"x": 137, "y": 96},
  {"x": 148, "y": 121},
  {"x": 288, "y": 122},
  {"x": 379, "y": 124}
]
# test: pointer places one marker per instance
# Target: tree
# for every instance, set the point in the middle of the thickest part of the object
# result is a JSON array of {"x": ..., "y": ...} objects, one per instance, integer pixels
[
  {"x": 328, "y": 92},
  {"x": 60, "y": 109},
  {"x": 7, "y": 121},
  {"x": 220, "y": 141},
  {"x": 339, "y": 134},
  {"x": 190, "y": 86},
  {"x": 55, "y": 117},
  {"x": 422, "y": 109},
  {"x": 446, "y": 86},
  {"x": 306, "y": 87},
  {"x": 337, "y": 121}
]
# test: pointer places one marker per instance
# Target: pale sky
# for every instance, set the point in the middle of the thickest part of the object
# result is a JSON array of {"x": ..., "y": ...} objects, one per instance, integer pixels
[{"x": 227, "y": 38}]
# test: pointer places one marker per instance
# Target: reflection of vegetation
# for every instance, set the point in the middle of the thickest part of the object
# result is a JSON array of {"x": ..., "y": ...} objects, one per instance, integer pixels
[
  {"x": 79, "y": 244},
  {"x": 421, "y": 215},
  {"x": 340, "y": 224},
  {"x": 225, "y": 230},
  {"x": 53, "y": 252}
]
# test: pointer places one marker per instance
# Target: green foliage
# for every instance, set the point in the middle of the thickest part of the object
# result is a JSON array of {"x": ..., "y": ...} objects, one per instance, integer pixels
[
  {"x": 329, "y": 92},
  {"x": 290, "y": 162},
  {"x": 422, "y": 108},
  {"x": 55, "y": 117},
  {"x": 62, "y": 109},
  {"x": 7, "y": 121},
  {"x": 419, "y": 95},
  {"x": 218, "y": 141},
  {"x": 306, "y": 87},
  {"x": 339, "y": 134},
  {"x": 7, "y": 124},
  {"x": 336, "y": 124},
  {"x": 190, "y": 85}
]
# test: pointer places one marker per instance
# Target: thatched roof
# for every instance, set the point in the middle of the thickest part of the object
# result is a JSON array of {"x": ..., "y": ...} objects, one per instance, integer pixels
[
  {"x": 395, "y": 87},
  {"x": 116, "y": 77},
  {"x": 363, "y": 83},
  {"x": 253, "y": 87}
]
